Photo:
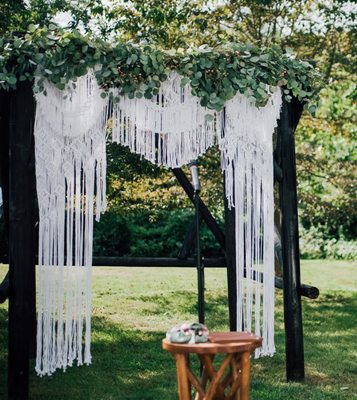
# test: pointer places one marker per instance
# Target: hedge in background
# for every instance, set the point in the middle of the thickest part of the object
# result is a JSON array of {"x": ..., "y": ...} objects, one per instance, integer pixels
[{"x": 145, "y": 233}]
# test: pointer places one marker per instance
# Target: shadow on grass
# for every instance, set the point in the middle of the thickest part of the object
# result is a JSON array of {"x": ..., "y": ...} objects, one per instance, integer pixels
[
  {"x": 126, "y": 365},
  {"x": 216, "y": 307},
  {"x": 330, "y": 359},
  {"x": 130, "y": 364}
]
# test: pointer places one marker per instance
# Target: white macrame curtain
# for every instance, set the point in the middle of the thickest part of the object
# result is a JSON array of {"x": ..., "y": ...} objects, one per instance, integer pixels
[
  {"x": 246, "y": 144},
  {"x": 70, "y": 138},
  {"x": 171, "y": 129}
]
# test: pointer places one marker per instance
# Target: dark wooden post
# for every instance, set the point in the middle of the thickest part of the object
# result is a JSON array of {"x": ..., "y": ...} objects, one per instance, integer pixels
[
  {"x": 21, "y": 244},
  {"x": 199, "y": 264},
  {"x": 4, "y": 154},
  {"x": 231, "y": 264},
  {"x": 290, "y": 115}
]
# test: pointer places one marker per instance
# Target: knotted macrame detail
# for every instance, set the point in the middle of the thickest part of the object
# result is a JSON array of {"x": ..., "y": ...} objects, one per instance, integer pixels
[
  {"x": 170, "y": 129},
  {"x": 246, "y": 143},
  {"x": 70, "y": 138}
]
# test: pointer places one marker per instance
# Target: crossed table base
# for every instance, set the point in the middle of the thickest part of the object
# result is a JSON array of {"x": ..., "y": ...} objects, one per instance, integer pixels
[{"x": 230, "y": 380}]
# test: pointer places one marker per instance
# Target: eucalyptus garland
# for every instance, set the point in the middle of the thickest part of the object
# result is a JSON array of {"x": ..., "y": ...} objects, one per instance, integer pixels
[{"x": 215, "y": 75}]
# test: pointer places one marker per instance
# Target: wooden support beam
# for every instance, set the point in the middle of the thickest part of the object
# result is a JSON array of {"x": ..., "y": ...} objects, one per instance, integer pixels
[
  {"x": 292, "y": 289},
  {"x": 4, "y": 178},
  {"x": 168, "y": 262},
  {"x": 278, "y": 172},
  {"x": 199, "y": 264},
  {"x": 204, "y": 211},
  {"x": 22, "y": 301},
  {"x": 4, "y": 289},
  {"x": 190, "y": 238},
  {"x": 311, "y": 292},
  {"x": 218, "y": 262},
  {"x": 231, "y": 264},
  {"x": 4, "y": 158}
]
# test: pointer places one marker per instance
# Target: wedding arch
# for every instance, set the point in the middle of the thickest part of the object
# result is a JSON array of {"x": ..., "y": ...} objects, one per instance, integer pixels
[{"x": 59, "y": 90}]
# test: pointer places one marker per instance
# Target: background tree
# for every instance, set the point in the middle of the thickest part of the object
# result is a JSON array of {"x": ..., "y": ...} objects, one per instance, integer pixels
[{"x": 320, "y": 30}]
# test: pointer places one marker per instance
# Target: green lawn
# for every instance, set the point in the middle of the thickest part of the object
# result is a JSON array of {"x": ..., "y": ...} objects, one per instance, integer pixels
[{"x": 132, "y": 309}]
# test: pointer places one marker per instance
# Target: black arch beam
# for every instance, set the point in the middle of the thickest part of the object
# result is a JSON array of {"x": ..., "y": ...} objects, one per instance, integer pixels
[
  {"x": 289, "y": 118},
  {"x": 204, "y": 211},
  {"x": 22, "y": 300},
  {"x": 4, "y": 177}
]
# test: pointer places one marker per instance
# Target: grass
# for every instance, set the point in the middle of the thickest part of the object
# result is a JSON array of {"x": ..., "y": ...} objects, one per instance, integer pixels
[{"x": 132, "y": 309}]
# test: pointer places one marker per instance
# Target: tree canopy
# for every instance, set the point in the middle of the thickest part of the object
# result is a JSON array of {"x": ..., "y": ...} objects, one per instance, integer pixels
[{"x": 323, "y": 31}]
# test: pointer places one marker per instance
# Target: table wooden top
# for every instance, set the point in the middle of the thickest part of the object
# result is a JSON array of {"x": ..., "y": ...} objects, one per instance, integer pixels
[{"x": 218, "y": 343}]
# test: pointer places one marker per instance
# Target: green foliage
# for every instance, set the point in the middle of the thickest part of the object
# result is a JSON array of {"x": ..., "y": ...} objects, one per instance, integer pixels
[
  {"x": 135, "y": 184},
  {"x": 318, "y": 30},
  {"x": 165, "y": 23},
  {"x": 341, "y": 249},
  {"x": 326, "y": 167},
  {"x": 215, "y": 75},
  {"x": 324, "y": 32},
  {"x": 148, "y": 233},
  {"x": 111, "y": 236},
  {"x": 11, "y": 15},
  {"x": 18, "y": 14},
  {"x": 161, "y": 233},
  {"x": 314, "y": 244}
]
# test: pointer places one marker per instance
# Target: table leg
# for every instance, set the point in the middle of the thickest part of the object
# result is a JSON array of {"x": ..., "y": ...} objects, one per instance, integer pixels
[
  {"x": 236, "y": 375},
  {"x": 215, "y": 390},
  {"x": 209, "y": 374},
  {"x": 184, "y": 388},
  {"x": 206, "y": 362},
  {"x": 245, "y": 376}
]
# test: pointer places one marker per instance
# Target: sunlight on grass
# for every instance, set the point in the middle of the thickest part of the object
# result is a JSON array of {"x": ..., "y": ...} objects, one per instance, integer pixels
[{"x": 133, "y": 308}]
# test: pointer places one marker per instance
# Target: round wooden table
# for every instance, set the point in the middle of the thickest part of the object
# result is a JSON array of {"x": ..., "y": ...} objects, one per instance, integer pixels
[{"x": 227, "y": 381}]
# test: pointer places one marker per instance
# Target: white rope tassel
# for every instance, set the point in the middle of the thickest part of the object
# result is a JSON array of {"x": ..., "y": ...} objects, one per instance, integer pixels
[
  {"x": 171, "y": 129},
  {"x": 246, "y": 144},
  {"x": 70, "y": 136}
]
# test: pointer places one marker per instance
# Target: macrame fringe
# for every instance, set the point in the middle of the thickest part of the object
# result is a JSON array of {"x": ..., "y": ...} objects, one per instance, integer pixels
[
  {"x": 171, "y": 129},
  {"x": 246, "y": 144},
  {"x": 70, "y": 139}
]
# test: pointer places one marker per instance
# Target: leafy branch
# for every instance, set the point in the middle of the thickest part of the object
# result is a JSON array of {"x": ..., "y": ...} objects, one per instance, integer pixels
[{"x": 214, "y": 74}]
